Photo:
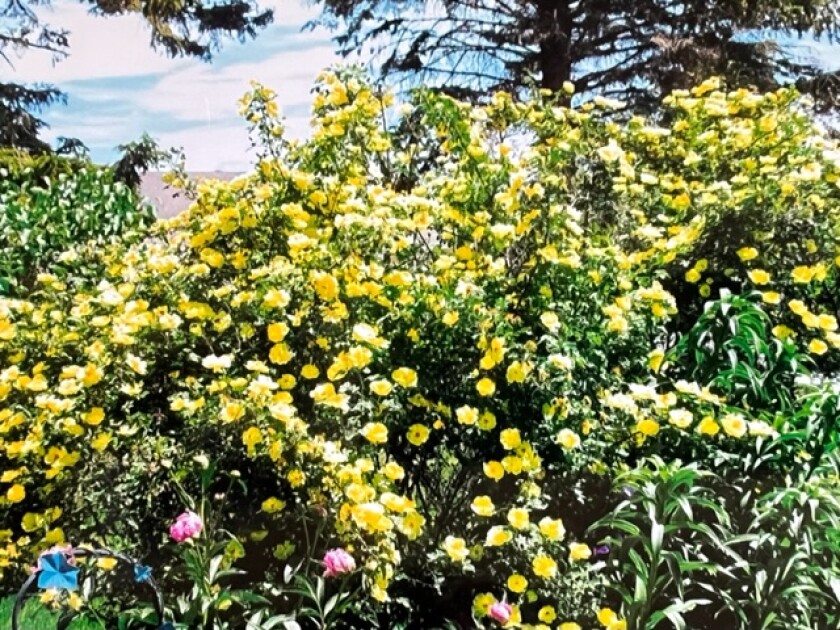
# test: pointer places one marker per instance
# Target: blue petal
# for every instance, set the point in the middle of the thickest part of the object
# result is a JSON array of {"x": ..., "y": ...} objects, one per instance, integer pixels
[
  {"x": 142, "y": 573},
  {"x": 56, "y": 572}
]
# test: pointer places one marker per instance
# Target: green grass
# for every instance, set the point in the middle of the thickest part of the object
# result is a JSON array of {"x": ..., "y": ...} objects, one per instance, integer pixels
[{"x": 37, "y": 617}]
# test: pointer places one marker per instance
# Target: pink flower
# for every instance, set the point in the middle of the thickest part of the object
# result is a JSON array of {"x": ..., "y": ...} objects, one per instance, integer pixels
[
  {"x": 338, "y": 562},
  {"x": 187, "y": 525},
  {"x": 501, "y": 612}
]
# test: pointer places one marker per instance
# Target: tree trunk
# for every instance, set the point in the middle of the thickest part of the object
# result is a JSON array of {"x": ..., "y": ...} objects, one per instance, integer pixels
[{"x": 555, "y": 48}]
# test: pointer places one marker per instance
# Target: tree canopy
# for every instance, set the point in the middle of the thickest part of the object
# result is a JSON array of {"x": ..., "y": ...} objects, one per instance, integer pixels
[
  {"x": 192, "y": 28},
  {"x": 636, "y": 51}
]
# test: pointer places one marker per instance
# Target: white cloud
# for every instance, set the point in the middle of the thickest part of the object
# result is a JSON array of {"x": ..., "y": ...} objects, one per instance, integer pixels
[
  {"x": 212, "y": 147},
  {"x": 100, "y": 47},
  {"x": 210, "y": 93}
]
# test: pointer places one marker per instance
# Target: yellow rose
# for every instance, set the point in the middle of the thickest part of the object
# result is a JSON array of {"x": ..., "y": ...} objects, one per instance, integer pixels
[
  {"x": 483, "y": 506},
  {"x": 456, "y": 548},
  {"x": 405, "y": 377},
  {"x": 518, "y": 518},
  {"x": 552, "y": 528},
  {"x": 375, "y": 432},
  {"x": 498, "y": 536},
  {"x": 517, "y": 583},
  {"x": 16, "y": 493},
  {"x": 568, "y": 439},
  {"x": 579, "y": 551},
  {"x": 759, "y": 276},
  {"x": 510, "y": 438},
  {"x": 485, "y": 387},
  {"x": 544, "y": 567}
]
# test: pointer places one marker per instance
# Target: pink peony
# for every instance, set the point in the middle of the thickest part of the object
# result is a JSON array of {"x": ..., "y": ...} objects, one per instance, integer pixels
[
  {"x": 187, "y": 525},
  {"x": 501, "y": 612},
  {"x": 337, "y": 562}
]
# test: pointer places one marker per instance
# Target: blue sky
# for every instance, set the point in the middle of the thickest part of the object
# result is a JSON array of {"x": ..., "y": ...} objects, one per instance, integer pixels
[{"x": 118, "y": 87}]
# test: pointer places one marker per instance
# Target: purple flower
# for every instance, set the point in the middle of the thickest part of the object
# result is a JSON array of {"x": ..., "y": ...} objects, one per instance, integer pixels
[
  {"x": 602, "y": 550},
  {"x": 501, "y": 612},
  {"x": 187, "y": 525},
  {"x": 338, "y": 562}
]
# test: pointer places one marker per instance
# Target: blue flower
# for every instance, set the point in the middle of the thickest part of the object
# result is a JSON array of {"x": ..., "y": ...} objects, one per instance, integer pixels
[
  {"x": 56, "y": 572},
  {"x": 142, "y": 573}
]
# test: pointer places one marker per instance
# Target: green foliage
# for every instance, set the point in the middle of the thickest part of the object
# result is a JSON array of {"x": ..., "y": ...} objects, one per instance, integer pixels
[
  {"x": 440, "y": 352},
  {"x": 37, "y": 617},
  {"x": 661, "y": 534},
  {"x": 48, "y": 205}
]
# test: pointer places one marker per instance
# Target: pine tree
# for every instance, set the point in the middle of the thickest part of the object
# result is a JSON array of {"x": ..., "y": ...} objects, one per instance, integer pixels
[{"x": 634, "y": 50}]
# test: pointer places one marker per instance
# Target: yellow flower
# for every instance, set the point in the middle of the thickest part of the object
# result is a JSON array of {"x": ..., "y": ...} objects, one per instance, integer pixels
[
  {"x": 803, "y": 274},
  {"x": 280, "y": 354},
  {"x": 498, "y": 536},
  {"x": 518, "y": 518},
  {"x": 544, "y": 567},
  {"x": 450, "y": 318},
  {"x": 547, "y": 614},
  {"x": 466, "y": 414},
  {"x": 579, "y": 551},
  {"x": 771, "y": 297},
  {"x": 406, "y": 377},
  {"x": 817, "y": 346},
  {"x": 375, "y": 432},
  {"x": 517, "y": 372},
  {"x": 517, "y": 583},
  {"x": 798, "y": 307},
  {"x": 381, "y": 387},
  {"x": 680, "y": 418},
  {"x": 550, "y": 321},
  {"x": 747, "y": 253},
  {"x": 393, "y": 471},
  {"x": 827, "y": 322},
  {"x": 296, "y": 478},
  {"x": 647, "y": 426},
  {"x": 137, "y": 364},
  {"x": 325, "y": 285},
  {"x": 483, "y": 506},
  {"x": 417, "y": 434},
  {"x": 251, "y": 437},
  {"x": 106, "y": 564},
  {"x": 485, "y": 387},
  {"x": 482, "y": 603},
  {"x": 610, "y": 620},
  {"x": 100, "y": 442},
  {"x": 16, "y": 493},
  {"x": 781, "y": 331},
  {"x": 568, "y": 439},
  {"x": 456, "y": 548},
  {"x": 277, "y": 331},
  {"x": 487, "y": 421},
  {"x": 569, "y": 625},
  {"x": 510, "y": 438},
  {"x": 708, "y": 426},
  {"x": 310, "y": 371},
  {"x": 759, "y": 276},
  {"x": 272, "y": 505},
  {"x": 655, "y": 359},
  {"x": 734, "y": 425},
  {"x": 692, "y": 276},
  {"x": 94, "y": 417},
  {"x": 552, "y": 528}
]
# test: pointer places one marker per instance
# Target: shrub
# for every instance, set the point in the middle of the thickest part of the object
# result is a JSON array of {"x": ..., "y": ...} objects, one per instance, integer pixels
[
  {"x": 446, "y": 375},
  {"x": 48, "y": 204}
]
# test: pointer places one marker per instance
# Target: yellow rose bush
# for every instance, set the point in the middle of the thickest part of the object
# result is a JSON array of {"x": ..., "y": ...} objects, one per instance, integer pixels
[{"x": 439, "y": 339}]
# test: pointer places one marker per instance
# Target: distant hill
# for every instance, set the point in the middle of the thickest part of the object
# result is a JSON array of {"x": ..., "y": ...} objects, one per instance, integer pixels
[{"x": 168, "y": 201}]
